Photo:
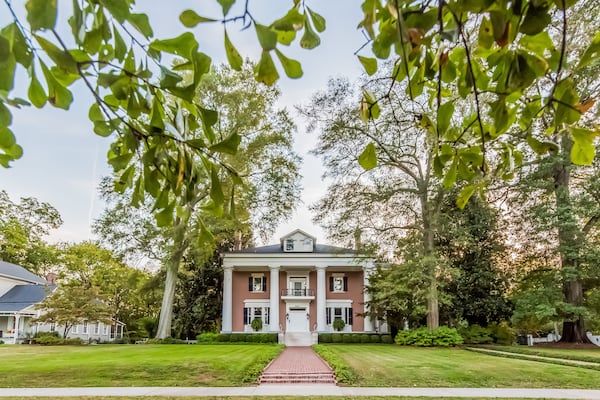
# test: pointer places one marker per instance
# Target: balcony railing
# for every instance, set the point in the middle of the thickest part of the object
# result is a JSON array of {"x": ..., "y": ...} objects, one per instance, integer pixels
[{"x": 297, "y": 292}]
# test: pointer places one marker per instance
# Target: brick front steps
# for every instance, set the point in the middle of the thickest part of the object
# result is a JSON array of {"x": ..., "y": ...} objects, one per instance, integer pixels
[{"x": 297, "y": 377}]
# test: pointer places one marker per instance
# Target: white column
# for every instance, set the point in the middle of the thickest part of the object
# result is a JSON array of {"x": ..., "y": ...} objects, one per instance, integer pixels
[
  {"x": 274, "y": 299},
  {"x": 321, "y": 298},
  {"x": 366, "y": 296},
  {"x": 17, "y": 318},
  {"x": 226, "y": 326}
]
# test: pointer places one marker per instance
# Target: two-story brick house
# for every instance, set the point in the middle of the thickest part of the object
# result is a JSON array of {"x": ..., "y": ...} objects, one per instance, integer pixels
[{"x": 297, "y": 286}]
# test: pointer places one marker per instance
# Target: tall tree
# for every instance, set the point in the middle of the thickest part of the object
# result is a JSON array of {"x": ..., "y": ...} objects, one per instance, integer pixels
[
  {"x": 399, "y": 192},
  {"x": 23, "y": 228},
  {"x": 471, "y": 242},
  {"x": 258, "y": 138}
]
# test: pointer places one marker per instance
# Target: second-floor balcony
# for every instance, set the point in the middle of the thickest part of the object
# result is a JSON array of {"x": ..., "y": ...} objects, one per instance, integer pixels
[{"x": 297, "y": 293}]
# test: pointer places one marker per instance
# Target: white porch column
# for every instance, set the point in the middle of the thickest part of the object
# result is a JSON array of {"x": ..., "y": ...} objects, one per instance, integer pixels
[
  {"x": 366, "y": 296},
  {"x": 274, "y": 299},
  {"x": 226, "y": 326},
  {"x": 16, "y": 331},
  {"x": 321, "y": 298}
]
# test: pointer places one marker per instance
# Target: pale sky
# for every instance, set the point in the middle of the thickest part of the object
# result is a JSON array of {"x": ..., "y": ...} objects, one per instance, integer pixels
[{"x": 64, "y": 160}]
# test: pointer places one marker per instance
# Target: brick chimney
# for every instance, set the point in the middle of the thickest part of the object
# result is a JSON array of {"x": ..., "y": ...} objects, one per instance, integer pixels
[{"x": 51, "y": 278}]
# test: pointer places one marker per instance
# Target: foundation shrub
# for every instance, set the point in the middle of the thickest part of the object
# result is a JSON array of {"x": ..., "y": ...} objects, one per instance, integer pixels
[
  {"x": 207, "y": 337},
  {"x": 355, "y": 337},
  {"x": 475, "y": 334},
  {"x": 424, "y": 337},
  {"x": 375, "y": 338},
  {"x": 387, "y": 339},
  {"x": 336, "y": 338},
  {"x": 325, "y": 337}
]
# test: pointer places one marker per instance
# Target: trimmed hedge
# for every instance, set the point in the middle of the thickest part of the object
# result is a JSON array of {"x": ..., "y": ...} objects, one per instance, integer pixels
[
  {"x": 355, "y": 338},
  {"x": 424, "y": 337},
  {"x": 237, "y": 338}
]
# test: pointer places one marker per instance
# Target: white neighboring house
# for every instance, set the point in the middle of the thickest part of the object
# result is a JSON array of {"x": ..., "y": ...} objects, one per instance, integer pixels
[{"x": 20, "y": 293}]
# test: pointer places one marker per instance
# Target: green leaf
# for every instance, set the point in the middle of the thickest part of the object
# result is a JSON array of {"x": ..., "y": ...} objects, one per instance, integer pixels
[
  {"x": 226, "y": 5},
  {"x": 265, "y": 69},
  {"x": 118, "y": 8},
  {"x": 583, "y": 150},
  {"x": 567, "y": 97},
  {"x": 7, "y": 138},
  {"x": 444, "y": 116},
  {"x": 216, "y": 192},
  {"x": 7, "y": 73},
  {"x": 120, "y": 162},
  {"x": 464, "y": 196},
  {"x": 310, "y": 39},
  {"x": 157, "y": 116},
  {"x": 142, "y": 24},
  {"x": 95, "y": 114},
  {"x": 290, "y": 22},
  {"x": 189, "y": 18},
  {"x": 369, "y": 109},
  {"x": 58, "y": 95},
  {"x": 317, "y": 20},
  {"x": 63, "y": 59},
  {"x": 36, "y": 93},
  {"x": 368, "y": 158},
  {"x": 168, "y": 78},
  {"x": 120, "y": 46},
  {"x": 4, "y": 49},
  {"x": 184, "y": 45},
  {"x": 591, "y": 55},
  {"x": 369, "y": 64},
  {"x": 5, "y": 115},
  {"x": 266, "y": 37},
  {"x": 541, "y": 148},
  {"x": 229, "y": 145},
  {"x": 41, "y": 14},
  {"x": 536, "y": 20},
  {"x": 233, "y": 57},
  {"x": 165, "y": 217},
  {"x": 17, "y": 44},
  {"x": 450, "y": 177},
  {"x": 292, "y": 68}
]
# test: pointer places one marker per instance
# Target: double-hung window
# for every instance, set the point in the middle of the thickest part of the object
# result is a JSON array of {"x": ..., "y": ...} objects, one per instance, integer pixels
[
  {"x": 343, "y": 313},
  {"x": 257, "y": 283},
  {"x": 338, "y": 283}
]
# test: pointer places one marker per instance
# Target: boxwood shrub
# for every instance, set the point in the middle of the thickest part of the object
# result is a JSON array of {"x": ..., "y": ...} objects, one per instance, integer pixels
[{"x": 424, "y": 337}]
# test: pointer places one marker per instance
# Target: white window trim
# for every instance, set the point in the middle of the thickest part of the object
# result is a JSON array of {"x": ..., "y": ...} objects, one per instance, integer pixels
[
  {"x": 97, "y": 328},
  {"x": 262, "y": 277},
  {"x": 85, "y": 328},
  {"x": 75, "y": 329},
  {"x": 338, "y": 275},
  {"x": 105, "y": 330}
]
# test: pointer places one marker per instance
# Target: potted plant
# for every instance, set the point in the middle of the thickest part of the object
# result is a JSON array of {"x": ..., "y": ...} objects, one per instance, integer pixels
[
  {"x": 338, "y": 324},
  {"x": 256, "y": 324}
]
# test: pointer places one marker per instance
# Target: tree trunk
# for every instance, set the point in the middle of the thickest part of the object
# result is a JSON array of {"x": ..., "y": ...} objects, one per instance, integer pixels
[
  {"x": 429, "y": 263},
  {"x": 569, "y": 242},
  {"x": 166, "y": 310}
]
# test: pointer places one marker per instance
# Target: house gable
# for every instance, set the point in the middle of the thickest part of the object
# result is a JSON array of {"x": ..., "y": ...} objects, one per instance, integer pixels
[{"x": 298, "y": 242}]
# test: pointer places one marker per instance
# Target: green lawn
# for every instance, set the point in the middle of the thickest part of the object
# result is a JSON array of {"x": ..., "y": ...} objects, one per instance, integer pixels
[
  {"x": 574, "y": 354},
  {"x": 384, "y": 365},
  {"x": 133, "y": 365}
]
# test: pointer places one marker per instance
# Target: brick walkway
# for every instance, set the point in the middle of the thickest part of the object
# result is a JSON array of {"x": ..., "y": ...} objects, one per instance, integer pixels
[{"x": 298, "y": 365}]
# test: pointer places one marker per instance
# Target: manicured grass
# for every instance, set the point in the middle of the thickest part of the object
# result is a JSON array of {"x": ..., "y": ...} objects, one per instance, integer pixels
[
  {"x": 590, "y": 355},
  {"x": 133, "y": 365},
  {"x": 400, "y": 366}
]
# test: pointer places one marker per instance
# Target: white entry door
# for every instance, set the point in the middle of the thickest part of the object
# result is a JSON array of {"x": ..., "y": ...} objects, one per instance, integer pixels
[{"x": 297, "y": 319}]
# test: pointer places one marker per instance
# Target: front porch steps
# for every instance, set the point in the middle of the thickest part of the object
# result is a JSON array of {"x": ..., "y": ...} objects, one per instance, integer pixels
[
  {"x": 279, "y": 378},
  {"x": 298, "y": 365},
  {"x": 298, "y": 339}
]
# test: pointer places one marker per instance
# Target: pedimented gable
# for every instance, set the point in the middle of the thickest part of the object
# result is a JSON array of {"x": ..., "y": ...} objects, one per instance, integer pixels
[{"x": 298, "y": 242}]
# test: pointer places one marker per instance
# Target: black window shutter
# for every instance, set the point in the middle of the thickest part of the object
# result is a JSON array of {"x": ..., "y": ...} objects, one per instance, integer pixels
[
  {"x": 350, "y": 316},
  {"x": 245, "y": 315},
  {"x": 250, "y": 284},
  {"x": 264, "y": 282},
  {"x": 345, "y": 284},
  {"x": 328, "y": 314},
  {"x": 331, "y": 283}
]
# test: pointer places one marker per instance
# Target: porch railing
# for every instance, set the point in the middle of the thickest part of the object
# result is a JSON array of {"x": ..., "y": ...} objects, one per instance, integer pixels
[{"x": 297, "y": 292}]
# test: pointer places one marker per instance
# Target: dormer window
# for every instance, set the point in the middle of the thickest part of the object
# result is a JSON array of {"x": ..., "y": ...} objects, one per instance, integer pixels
[{"x": 289, "y": 245}]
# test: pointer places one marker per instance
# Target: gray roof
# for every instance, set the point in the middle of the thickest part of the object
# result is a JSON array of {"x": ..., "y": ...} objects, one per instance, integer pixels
[
  {"x": 17, "y": 272},
  {"x": 277, "y": 248},
  {"x": 23, "y": 296}
]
